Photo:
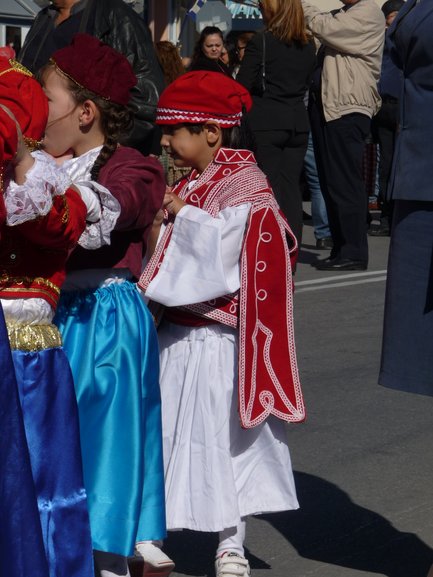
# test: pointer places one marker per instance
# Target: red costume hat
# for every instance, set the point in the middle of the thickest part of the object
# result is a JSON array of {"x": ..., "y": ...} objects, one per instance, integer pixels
[
  {"x": 8, "y": 139},
  {"x": 199, "y": 96},
  {"x": 97, "y": 67},
  {"x": 24, "y": 97}
]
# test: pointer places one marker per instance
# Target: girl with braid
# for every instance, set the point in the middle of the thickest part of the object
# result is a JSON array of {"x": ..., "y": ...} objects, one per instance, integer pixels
[{"x": 107, "y": 330}]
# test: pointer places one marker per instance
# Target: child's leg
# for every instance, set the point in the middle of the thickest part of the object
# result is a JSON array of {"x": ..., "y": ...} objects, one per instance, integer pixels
[
  {"x": 230, "y": 560},
  {"x": 110, "y": 565},
  {"x": 232, "y": 540}
]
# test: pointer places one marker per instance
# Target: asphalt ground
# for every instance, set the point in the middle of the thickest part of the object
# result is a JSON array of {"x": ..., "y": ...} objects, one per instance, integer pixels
[{"x": 363, "y": 460}]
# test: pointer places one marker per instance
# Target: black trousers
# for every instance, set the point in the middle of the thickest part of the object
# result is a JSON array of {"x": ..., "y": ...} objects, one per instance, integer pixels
[
  {"x": 339, "y": 146},
  {"x": 280, "y": 154},
  {"x": 384, "y": 128}
]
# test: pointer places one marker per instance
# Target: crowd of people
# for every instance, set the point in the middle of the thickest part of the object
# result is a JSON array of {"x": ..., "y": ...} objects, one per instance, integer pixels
[{"x": 150, "y": 222}]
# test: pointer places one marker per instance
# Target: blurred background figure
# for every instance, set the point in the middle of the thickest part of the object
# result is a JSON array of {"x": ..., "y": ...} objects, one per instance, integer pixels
[
  {"x": 407, "y": 349},
  {"x": 170, "y": 61},
  {"x": 119, "y": 26},
  {"x": 276, "y": 68},
  {"x": 344, "y": 98},
  {"x": 241, "y": 42},
  {"x": 319, "y": 215},
  {"x": 208, "y": 51},
  {"x": 385, "y": 123},
  {"x": 172, "y": 67}
]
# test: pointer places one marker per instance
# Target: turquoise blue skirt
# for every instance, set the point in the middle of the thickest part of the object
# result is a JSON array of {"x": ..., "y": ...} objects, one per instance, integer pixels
[{"x": 111, "y": 342}]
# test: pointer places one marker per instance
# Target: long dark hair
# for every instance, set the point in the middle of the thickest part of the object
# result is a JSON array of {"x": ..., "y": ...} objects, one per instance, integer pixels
[{"x": 198, "y": 49}]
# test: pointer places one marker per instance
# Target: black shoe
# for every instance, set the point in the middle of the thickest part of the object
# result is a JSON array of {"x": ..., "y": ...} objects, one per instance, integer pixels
[
  {"x": 381, "y": 230},
  {"x": 340, "y": 263},
  {"x": 324, "y": 243}
]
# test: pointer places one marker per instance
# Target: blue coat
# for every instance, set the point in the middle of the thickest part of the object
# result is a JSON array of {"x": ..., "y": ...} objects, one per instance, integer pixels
[{"x": 412, "y": 49}]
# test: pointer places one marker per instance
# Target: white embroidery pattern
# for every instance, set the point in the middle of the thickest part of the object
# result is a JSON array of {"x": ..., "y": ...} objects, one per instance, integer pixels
[
  {"x": 213, "y": 193},
  {"x": 170, "y": 115}
]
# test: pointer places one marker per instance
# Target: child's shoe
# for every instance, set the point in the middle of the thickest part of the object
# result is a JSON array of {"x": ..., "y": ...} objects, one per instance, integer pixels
[
  {"x": 232, "y": 565},
  {"x": 156, "y": 562}
]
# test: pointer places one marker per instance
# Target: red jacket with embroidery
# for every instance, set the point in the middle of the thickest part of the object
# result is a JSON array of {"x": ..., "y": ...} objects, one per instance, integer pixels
[
  {"x": 262, "y": 309},
  {"x": 33, "y": 255}
]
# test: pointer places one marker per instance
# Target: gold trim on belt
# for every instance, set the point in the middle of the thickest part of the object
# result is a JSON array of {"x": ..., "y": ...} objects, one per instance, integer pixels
[{"x": 33, "y": 337}]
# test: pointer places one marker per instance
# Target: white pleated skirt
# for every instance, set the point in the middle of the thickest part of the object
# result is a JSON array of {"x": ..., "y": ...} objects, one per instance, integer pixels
[{"x": 215, "y": 472}]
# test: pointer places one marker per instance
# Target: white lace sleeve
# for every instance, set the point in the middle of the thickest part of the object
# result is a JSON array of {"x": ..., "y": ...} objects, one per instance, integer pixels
[
  {"x": 34, "y": 198},
  {"x": 103, "y": 210}
]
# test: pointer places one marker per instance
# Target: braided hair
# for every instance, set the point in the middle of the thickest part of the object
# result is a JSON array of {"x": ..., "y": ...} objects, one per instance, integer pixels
[{"x": 116, "y": 123}]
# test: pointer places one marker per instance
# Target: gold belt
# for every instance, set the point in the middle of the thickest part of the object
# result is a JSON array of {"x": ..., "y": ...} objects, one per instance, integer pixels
[{"x": 33, "y": 337}]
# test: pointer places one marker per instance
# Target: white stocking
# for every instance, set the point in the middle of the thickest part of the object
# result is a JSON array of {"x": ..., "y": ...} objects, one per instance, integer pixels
[{"x": 232, "y": 539}]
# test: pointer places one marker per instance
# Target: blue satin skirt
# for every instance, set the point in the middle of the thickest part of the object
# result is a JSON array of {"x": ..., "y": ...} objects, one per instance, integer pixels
[
  {"x": 22, "y": 552},
  {"x": 111, "y": 343},
  {"x": 50, "y": 417}
]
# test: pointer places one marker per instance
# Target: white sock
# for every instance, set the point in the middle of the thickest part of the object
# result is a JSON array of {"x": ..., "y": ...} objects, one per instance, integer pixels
[
  {"x": 232, "y": 539},
  {"x": 110, "y": 564},
  {"x": 156, "y": 543}
]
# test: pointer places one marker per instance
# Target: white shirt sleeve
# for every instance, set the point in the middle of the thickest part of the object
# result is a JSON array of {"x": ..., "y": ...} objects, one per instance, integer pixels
[
  {"x": 202, "y": 259},
  {"x": 34, "y": 198},
  {"x": 103, "y": 210}
]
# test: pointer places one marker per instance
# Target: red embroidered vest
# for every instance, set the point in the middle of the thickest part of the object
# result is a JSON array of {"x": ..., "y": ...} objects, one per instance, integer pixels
[{"x": 262, "y": 309}]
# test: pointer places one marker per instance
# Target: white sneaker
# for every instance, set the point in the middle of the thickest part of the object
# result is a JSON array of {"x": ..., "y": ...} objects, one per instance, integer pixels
[
  {"x": 156, "y": 562},
  {"x": 232, "y": 565}
]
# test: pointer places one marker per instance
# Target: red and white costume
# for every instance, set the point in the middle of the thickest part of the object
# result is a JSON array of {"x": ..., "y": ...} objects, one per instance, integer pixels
[{"x": 222, "y": 269}]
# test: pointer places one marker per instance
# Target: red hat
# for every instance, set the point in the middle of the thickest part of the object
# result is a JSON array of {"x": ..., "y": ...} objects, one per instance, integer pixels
[
  {"x": 7, "y": 52},
  {"x": 8, "y": 138},
  {"x": 97, "y": 67},
  {"x": 199, "y": 96},
  {"x": 24, "y": 97}
]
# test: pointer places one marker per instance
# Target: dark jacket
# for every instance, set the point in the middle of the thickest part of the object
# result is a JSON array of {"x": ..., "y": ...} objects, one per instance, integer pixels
[
  {"x": 412, "y": 50},
  {"x": 116, "y": 24},
  {"x": 205, "y": 63},
  {"x": 288, "y": 70}
]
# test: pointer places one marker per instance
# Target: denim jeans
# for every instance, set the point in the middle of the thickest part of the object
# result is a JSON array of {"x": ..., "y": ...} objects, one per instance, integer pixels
[{"x": 318, "y": 207}]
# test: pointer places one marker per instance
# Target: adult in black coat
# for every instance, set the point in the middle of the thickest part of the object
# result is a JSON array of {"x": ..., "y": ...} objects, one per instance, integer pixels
[
  {"x": 208, "y": 51},
  {"x": 119, "y": 26},
  {"x": 407, "y": 350},
  {"x": 276, "y": 69}
]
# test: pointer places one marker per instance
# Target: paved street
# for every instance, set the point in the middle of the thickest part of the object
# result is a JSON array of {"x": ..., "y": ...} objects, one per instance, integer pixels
[{"x": 364, "y": 457}]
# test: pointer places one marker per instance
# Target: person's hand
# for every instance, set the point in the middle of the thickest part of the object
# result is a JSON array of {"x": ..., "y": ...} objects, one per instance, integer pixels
[
  {"x": 159, "y": 218},
  {"x": 172, "y": 203}
]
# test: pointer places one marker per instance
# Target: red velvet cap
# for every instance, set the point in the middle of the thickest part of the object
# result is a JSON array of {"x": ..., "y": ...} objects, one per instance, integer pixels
[
  {"x": 24, "y": 97},
  {"x": 199, "y": 96},
  {"x": 97, "y": 67}
]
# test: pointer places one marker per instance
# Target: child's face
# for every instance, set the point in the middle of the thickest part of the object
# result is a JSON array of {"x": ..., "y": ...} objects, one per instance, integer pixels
[
  {"x": 63, "y": 124},
  {"x": 186, "y": 148}
]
